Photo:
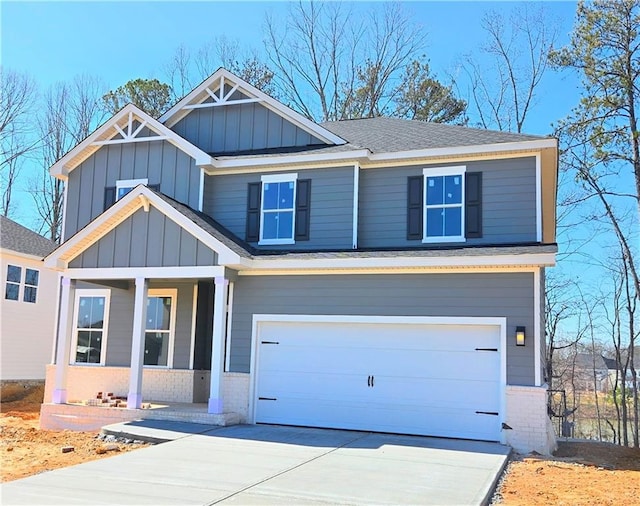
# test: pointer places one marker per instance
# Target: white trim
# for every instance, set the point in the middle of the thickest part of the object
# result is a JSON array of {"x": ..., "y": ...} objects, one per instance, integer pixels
[
  {"x": 500, "y": 322},
  {"x": 20, "y": 255},
  {"x": 90, "y": 292},
  {"x": 531, "y": 259},
  {"x": 466, "y": 150},
  {"x": 537, "y": 331},
  {"x": 201, "y": 191},
  {"x": 227, "y": 344},
  {"x": 356, "y": 197},
  {"x": 129, "y": 183},
  {"x": 176, "y": 113},
  {"x": 538, "y": 197},
  {"x": 194, "y": 308},
  {"x": 173, "y": 294},
  {"x": 457, "y": 170},
  {"x": 279, "y": 178},
  {"x": 129, "y": 140},
  {"x": 54, "y": 333},
  {"x": 221, "y": 103},
  {"x": 146, "y": 272},
  {"x": 393, "y": 271},
  {"x": 63, "y": 235}
]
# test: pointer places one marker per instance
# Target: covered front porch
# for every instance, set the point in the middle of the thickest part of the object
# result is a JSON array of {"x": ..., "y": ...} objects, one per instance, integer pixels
[{"x": 161, "y": 338}]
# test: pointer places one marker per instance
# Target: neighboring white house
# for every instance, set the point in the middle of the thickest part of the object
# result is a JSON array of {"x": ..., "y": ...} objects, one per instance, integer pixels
[{"x": 28, "y": 304}]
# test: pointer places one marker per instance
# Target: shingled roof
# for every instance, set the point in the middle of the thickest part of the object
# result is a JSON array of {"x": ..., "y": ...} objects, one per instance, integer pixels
[
  {"x": 15, "y": 237},
  {"x": 388, "y": 135}
]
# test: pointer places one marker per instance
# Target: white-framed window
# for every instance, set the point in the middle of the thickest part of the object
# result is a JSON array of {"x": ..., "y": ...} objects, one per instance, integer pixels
[
  {"x": 124, "y": 186},
  {"x": 15, "y": 283},
  {"x": 90, "y": 326},
  {"x": 160, "y": 327},
  {"x": 444, "y": 204},
  {"x": 277, "y": 212}
]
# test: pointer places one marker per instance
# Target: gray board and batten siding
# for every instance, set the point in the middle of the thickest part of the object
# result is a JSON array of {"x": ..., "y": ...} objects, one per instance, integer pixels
[
  {"x": 331, "y": 216},
  {"x": 146, "y": 239},
  {"x": 120, "y": 323},
  {"x": 508, "y": 203},
  {"x": 158, "y": 161},
  {"x": 241, "y": 127},
  {"x": 507, "y": 295}
]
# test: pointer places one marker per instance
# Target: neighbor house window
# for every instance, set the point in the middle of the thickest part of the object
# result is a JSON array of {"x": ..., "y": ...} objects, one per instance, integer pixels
[
  {"x": 12, "y": 287},
  {"x": 161, "y": 316},
  {"x": 90, "y": 329},
  {"x": 15, "y": 283},
  {"x": 126, "y": 185},
  {"x": 278, "y": 209},
  {"x": 444, "y": 204}
]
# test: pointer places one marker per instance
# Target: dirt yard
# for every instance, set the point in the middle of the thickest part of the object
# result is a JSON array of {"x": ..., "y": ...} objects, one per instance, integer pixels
[
  {"x": 579, "y": 473},
  {"x": 584, "y": 473},
  {"x": 26, "y": 450}
]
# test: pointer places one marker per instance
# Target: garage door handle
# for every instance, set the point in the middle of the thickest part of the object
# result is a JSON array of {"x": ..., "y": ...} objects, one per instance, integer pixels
[
  {"x": 267, "y": 399},
  {"x": 372, "y": 379},
  {"x": 368, "y": 381},
  {"x": 486, "y": 349},
  {"x": 493, "y": 413}
]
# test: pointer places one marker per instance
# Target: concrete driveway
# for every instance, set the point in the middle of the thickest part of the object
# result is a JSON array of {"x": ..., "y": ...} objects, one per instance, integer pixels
[{"x": 253, "y": 464}]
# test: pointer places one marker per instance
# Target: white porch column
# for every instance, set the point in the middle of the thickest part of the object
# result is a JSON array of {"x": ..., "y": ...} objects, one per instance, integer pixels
[
  {"x": 65, "y": 328},
  {"x": 217, "y": 344},
  {"x": 134, "y": 398}
]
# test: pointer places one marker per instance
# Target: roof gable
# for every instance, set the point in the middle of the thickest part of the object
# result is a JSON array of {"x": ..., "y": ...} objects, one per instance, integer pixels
[
  {"x": 142, "y": 197},
  {"x": 130, "y": 124},
  {"x": 224, "y": 88}
]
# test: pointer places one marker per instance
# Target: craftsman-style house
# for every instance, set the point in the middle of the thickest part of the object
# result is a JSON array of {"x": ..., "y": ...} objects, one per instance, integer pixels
[{"x": 376, "y": 274}]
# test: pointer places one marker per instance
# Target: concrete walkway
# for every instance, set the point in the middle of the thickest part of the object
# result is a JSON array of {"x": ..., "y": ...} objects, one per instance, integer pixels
[{"x": 249, "y": 464}]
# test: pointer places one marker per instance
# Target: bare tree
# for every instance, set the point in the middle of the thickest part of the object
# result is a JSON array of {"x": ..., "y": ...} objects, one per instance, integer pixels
[
  {"x": 178, "y": 72},
  {"x": 316, "y": 54},
  {"x": 17, "y": 99},
  {"x": 69, "y": 112},
  {"x": 503, "y": 91}
]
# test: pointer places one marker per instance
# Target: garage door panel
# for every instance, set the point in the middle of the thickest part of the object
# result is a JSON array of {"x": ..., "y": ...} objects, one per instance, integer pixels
[{"x": 408, "y": 378}]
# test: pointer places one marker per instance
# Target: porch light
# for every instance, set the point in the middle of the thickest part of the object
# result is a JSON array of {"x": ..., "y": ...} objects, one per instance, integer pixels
[{"x": 519, "y": 336}]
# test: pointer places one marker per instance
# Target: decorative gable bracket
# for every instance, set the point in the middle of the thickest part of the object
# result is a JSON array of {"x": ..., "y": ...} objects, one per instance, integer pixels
[
  {"x": 220, "y": 98},
  {"x": 130, "y": 132}
]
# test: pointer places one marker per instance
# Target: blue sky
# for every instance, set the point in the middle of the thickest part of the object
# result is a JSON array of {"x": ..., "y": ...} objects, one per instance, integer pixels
[{"x": 119, "y": 41}]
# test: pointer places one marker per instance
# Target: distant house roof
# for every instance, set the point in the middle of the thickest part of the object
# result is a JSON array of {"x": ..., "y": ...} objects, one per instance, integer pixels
[
  {"x": 15, "y": 237},
  {"x": 388, "y": 135},
  {"x": 588, "y": 361}
]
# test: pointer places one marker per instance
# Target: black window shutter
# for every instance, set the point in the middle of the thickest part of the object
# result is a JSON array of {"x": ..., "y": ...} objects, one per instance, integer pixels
[
  {"x": 253, "y": 212},
  {"x": 415, "y": 208},
  {"x": 303, "y": 209},
  {"x": 109, "y": 196},
  {"x": 473, "y": 205},
  {"x": 154, "y": 187}
]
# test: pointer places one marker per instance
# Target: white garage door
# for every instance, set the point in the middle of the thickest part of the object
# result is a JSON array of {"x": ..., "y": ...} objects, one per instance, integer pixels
[{"x": 437, "y": 380}]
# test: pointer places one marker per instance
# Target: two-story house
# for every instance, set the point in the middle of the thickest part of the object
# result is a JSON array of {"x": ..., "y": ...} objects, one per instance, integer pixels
[{"x": 374, "y": 274}]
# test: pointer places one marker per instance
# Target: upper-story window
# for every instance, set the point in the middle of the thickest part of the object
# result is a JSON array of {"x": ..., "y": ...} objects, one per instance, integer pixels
[
  {"x": 124, "y": 186},
  {"x": 277, "y": 220},
  {"x": 15, "y": 283},
  {"x": 444, "y": 204}
]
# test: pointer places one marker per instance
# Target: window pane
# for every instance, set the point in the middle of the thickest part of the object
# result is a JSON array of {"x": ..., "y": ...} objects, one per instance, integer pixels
[
  {"x": 89, "y": 345},
  {"x": 435, "y": 222},
  {"x": 90, "y": 312},
  {"x": 286, "y": 195},
  {"x": 158, "y": 313},
  {"x": 14, "y": 273},
  {"x": 270, "y": 226},
  {"x": 285, "y": 225},
  {"x": 453, "y": 189},
  {"x": 30, "y": 293},
  {"x": 270, "y": 196},
  {"x": 11, "y": 291},
  {"x": 31, "y": 277},
  {"x": 453, "y": 221},
  {"x": 156, "y": 347},
  {"x": 122, "y": 191},
  {"x": 435, "y": 190}
]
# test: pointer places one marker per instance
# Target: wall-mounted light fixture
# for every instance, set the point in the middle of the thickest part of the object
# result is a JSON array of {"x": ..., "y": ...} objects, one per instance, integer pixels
[{"x": 519, "y": 336}]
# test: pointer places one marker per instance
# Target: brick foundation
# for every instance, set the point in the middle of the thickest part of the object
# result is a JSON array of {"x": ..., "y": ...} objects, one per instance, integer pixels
[{"x": 531, "y": 428}]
